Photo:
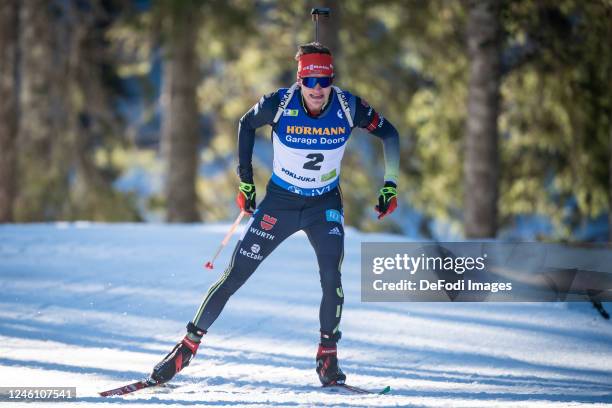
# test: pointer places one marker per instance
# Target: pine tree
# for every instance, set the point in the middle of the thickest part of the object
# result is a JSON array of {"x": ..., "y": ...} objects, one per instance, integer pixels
[
  {"x": 43, "y": 154},
  {"x": 180, "y": 117},
  {"x": 481, "y": 162},
  {"x": 9, "y": 14}
]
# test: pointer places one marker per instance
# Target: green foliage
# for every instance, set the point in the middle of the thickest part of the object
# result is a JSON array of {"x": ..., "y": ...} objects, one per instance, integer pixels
[
  {"x": 408, "y": 60},
  {"x": 557, "y": 113},
  {"x": 435, "y": 52}
]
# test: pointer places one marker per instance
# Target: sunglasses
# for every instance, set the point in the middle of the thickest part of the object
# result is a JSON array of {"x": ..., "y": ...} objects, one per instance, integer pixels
[{"x": 311, "y": 82}]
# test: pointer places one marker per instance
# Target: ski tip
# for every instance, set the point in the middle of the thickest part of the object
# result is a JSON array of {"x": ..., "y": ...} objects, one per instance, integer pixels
[
  {"x": 386, "y": 390},
  {"x": 126, "y": 389}
]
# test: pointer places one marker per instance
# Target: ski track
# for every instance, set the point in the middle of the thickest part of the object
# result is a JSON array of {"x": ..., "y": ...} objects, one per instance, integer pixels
[{"x": 95, "y": 306}]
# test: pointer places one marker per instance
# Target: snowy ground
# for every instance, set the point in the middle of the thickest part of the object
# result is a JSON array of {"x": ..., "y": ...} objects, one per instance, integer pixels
[{"x": 96, "y": 306}]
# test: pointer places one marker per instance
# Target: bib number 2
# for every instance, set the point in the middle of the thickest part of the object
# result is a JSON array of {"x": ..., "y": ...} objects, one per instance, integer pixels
[{"x": 313, "y": 164}]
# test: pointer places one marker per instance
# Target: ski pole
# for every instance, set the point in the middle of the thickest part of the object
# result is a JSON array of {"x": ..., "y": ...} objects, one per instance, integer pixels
[
  {"x": 315, "y": 13},
  {"x": 209, "y": 264}
]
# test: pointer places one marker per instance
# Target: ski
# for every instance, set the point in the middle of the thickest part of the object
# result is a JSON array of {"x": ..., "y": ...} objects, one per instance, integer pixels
[
  {"x": 126, "y": 389},
  {"x": 358, "y": 390},
  {"x": 139, "y": 385}
]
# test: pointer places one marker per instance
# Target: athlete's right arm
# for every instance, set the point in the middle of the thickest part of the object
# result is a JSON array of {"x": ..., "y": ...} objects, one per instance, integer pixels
[{"x": 262, "y": 113}]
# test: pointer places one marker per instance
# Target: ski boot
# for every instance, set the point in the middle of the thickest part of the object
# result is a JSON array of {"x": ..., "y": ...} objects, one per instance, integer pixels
[
  {"x": 180, "y": 356},
  {"x": 327, "y": 366}
]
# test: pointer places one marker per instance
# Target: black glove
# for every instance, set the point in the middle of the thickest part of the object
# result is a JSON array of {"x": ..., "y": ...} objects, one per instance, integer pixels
[
  {"x": 246, "y": 197},
  {"x": 387, "y": 200}
]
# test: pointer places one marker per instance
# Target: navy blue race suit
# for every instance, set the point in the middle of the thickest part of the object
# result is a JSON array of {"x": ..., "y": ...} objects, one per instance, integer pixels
[{"x": 303, "y": 193}]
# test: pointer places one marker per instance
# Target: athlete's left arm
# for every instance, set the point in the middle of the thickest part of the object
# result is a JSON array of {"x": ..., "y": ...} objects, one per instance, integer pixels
[{"x": 367, "y": 118}]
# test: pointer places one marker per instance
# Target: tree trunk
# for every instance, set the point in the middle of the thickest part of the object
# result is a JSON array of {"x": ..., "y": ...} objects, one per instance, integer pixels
[
  {"x": 180, "y": 116},
  {"x": 43, "y": 165},
  {"x": 92, "y": 114},
  {"x": 610, "y": 188},
  {"x": 9, "y": 17},
  {"x": 481, "y": 166}
]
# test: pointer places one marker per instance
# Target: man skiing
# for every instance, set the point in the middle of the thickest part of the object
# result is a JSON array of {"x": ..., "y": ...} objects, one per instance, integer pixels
[{"x": 311, "y": 123}]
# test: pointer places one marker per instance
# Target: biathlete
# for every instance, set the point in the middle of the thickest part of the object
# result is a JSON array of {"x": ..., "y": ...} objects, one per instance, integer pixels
[{"x": 311, "y": 124}]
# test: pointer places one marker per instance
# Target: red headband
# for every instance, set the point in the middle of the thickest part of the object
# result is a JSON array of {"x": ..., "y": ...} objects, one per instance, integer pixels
[{"x": 315, "y": 64}]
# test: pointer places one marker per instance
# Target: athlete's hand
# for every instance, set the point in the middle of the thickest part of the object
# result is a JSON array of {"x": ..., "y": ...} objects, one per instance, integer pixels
[
  {"x": 246, "y": 197},
  {"x": 387, "y": 200}
]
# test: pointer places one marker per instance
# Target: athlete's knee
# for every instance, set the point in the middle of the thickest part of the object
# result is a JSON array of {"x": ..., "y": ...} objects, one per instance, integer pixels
[
  {"x": 230, "y": 286},
  {"x": 233, "y": 278},
  {"x": 331, "y": 283},
  {"x": 234, "y": 281}
]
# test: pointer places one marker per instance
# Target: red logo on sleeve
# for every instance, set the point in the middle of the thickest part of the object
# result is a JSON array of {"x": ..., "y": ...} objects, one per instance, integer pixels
[{"x": 374, "y": 123}]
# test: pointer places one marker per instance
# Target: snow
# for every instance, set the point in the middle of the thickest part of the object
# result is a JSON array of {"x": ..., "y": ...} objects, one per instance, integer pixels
[{"x": 95, "y": 306}]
